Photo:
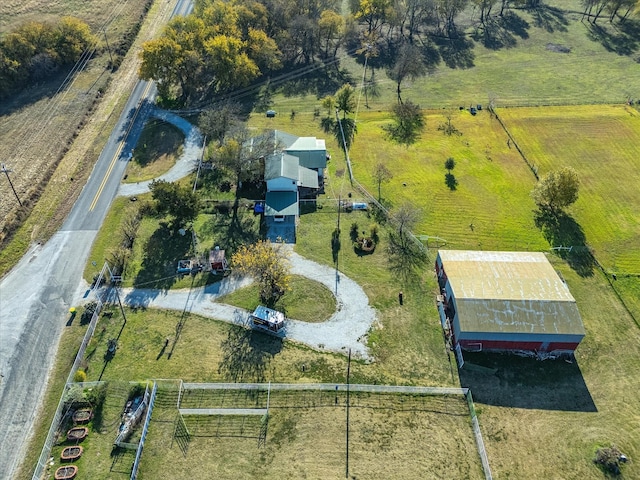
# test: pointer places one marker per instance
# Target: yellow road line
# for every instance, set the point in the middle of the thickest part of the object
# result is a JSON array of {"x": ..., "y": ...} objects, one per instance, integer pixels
[{"x": 119, "y": 149}]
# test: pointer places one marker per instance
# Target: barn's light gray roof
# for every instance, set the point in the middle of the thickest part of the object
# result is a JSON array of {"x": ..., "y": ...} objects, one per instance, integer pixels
[{"x": 510, "y": 292}]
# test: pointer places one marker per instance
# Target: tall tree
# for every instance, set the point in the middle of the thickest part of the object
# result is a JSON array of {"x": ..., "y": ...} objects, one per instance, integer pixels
[
  {"x": 557, "y": 190},
  {"x": 240, "y": 153},
  {"x": 218, "y": 121},
  {"x": 266, "y": 263},
  {"x": 331, "y": 25},
  {"x": 409, "y": 64},
  {"x": 408, "y": 122},
  {"x": 381, "y": 174},
  {"x": 176, "y": 200},
  {"x": 374, "y": 13}
]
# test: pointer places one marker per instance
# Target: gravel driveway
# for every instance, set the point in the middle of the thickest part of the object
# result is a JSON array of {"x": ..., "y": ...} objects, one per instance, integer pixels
[{"x": 346, "y": 329}]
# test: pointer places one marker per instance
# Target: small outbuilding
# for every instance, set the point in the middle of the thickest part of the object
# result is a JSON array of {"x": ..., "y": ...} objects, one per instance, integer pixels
[
  {"x": 506, "y": 301},
  {"x": 218, "y": 261}
]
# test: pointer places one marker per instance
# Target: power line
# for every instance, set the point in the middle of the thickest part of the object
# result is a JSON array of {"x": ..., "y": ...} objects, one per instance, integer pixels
[{"x": 6, "y": 172}]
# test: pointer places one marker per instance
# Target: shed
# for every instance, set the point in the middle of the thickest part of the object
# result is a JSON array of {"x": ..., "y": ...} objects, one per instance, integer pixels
[
  {"x": 218, "y": 261},
  {"x": 267, "y": 319},
  {"x": 506, "y": 301}
]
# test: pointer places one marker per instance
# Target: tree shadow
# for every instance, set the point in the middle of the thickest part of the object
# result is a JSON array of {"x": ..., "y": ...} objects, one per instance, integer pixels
[
  {"x": 241, "y": 229},
  {"x": 561, "y": 230},
  {"x": 33, "y": 93},
  {"x": 501, "y": 32},
  {"x": 549, "y": 18},
  {"x": 451, "y": 181},
  {"x": 622, "y": 39},
  {"x": 162, "y": 252},
  {"x": 335, "y": 244},
  {"x": 456, "y": 52},
  {"x": 523, "y": 382},
  {"x": 246, "y": 355},
  {"x": 318, "y": 79}
]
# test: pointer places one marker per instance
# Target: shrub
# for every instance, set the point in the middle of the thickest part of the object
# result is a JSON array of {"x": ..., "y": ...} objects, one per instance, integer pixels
[
  {"x": 80, "y": 376},
  {"x": 609, "y": 459},
  {"x": 89, "y": 309}
]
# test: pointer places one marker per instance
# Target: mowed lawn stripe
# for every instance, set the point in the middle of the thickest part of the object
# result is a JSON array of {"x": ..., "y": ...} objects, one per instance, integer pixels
[
  {"x": 600, "y": 142},
  {"x": 490, "y": 208}
]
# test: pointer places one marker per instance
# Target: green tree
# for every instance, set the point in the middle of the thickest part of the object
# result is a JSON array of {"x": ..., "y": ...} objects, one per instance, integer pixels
[
  {"x": 408, "y": 122},
  {"x": 345, "y": 128},
  {"x": 331, "y": 25},
  {"x": 266, "y": 263},
  {"x": 557, "y": 190},
  {"x": 345, "y": 99},
  {"x": 176, "y": 200},
  {"x": 449, "y": 164},
  {"x": 73, "y": 37},
  {"x": 374, "y": 13}
]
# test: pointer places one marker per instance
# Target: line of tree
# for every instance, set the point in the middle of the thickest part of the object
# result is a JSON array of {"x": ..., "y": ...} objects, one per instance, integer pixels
[{"x": 35, "y": 51}]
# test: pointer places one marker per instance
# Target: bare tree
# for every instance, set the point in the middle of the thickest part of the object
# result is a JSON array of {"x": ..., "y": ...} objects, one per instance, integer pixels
[{"x": 382, "y": 175}]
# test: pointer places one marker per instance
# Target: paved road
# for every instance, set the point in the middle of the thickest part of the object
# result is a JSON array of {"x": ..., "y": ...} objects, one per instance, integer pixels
[{"x": 36, "y": 295}]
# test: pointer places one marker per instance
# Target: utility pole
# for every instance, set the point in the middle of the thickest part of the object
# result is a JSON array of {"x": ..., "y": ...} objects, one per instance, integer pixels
[
  {"x": 108, "y": 47},
  {"x": 195, "y": 183},
  {"x": 6, "y": 172}
]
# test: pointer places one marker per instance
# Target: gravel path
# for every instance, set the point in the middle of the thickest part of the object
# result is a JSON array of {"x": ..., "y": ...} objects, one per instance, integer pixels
[
  {"x": 346, "y": 329},
  {"x": 187, "y": 162}
]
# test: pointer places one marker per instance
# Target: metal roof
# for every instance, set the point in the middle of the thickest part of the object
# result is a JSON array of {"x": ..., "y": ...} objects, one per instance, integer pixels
[
  {"x": 308, "y": 143},
  {"x": 281, "y": 165},
  {"x": 281, "y": 203},
  {"x": 307, "y": 177},
  {"x": 510, "y": 292}
]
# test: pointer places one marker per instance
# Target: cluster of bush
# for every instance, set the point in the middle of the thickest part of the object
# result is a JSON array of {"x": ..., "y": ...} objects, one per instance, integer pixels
[{"x": 35, "y": 51}]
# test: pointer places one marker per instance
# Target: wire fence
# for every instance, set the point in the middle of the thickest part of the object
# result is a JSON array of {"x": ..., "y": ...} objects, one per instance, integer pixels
[
  {"x": 102, "y": 295},
  {"x": 255, "y": 394},
  {"x": 145, "y": 429}
]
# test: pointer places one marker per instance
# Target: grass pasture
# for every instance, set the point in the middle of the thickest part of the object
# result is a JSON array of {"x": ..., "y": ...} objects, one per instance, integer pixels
[
  {"x": 600, "y": 143},
  {"x": 489, "y": 208},
  {"x": 390, "y": 436}
]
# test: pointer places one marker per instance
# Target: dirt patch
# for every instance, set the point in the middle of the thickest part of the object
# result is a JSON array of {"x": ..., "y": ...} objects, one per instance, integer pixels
[{"x": 555, "y": 47}]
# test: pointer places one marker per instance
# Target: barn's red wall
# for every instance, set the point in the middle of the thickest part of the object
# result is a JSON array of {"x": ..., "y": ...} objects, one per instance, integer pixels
[{"x": 530, "y": 346}]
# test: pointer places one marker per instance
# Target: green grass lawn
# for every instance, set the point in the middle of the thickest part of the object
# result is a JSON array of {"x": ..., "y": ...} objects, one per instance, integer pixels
[
  {"x": 391, "y": 436},
  {"x": 306, "y": 300},
  {"x": 157, "y": 150},
  {"x": 490, "y": 208},
  {"x": 599, "y": 142}
]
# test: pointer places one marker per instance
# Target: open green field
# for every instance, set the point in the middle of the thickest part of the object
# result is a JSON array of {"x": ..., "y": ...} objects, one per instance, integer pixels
[
  {"x": 600, "y": 143},
  {"x": 390, "y": 436},
  {"x": 490, "y": 208}
]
